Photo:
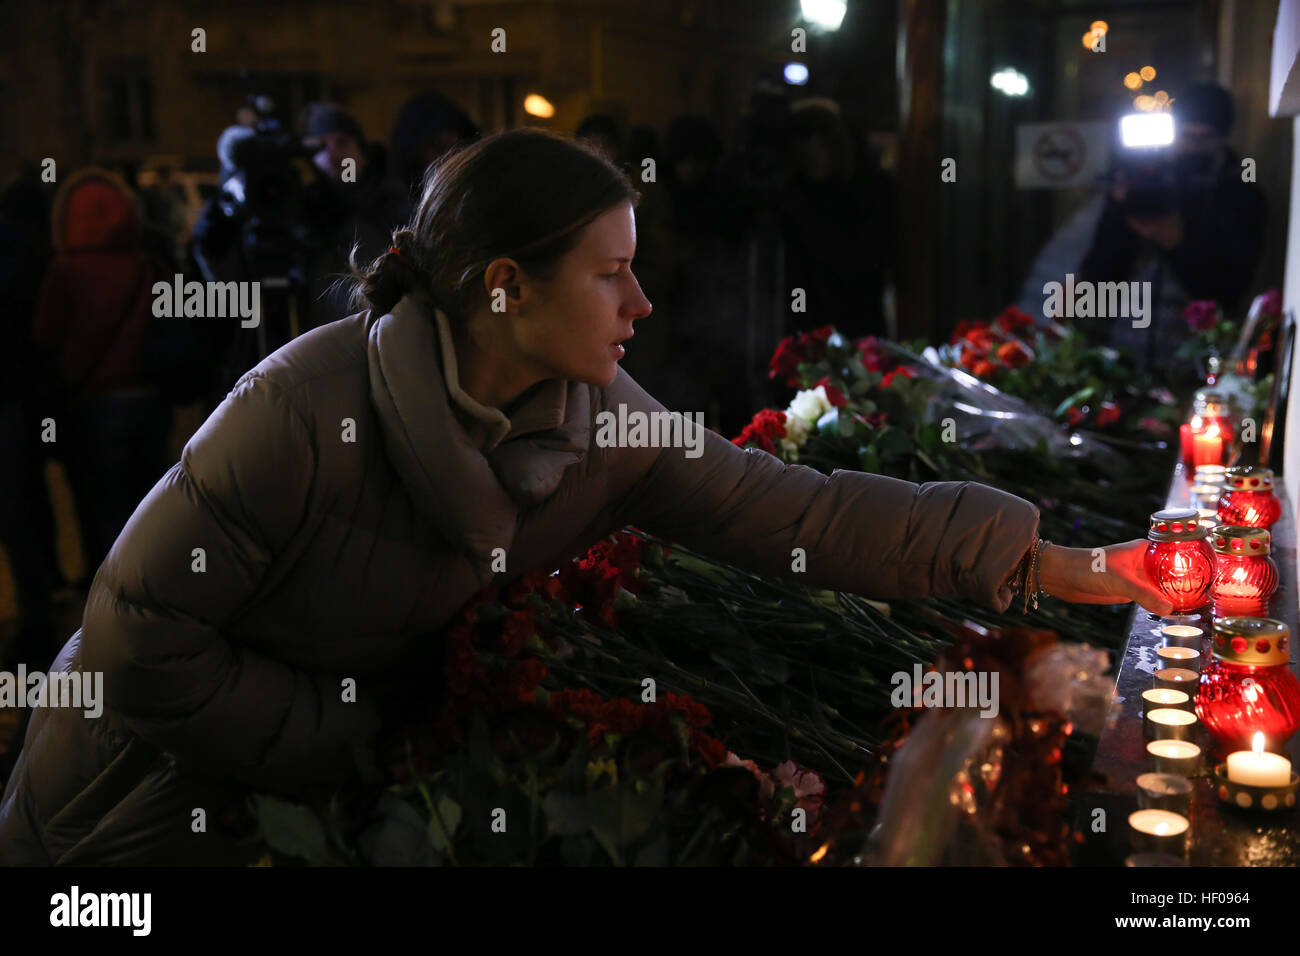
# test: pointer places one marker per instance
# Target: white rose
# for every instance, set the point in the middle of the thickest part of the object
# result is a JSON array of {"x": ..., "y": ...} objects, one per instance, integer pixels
[{"x": 810, "y": 404}]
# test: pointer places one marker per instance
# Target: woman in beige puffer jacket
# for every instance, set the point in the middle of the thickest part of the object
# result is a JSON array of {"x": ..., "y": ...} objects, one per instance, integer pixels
[{"x": 359, "y": 484}]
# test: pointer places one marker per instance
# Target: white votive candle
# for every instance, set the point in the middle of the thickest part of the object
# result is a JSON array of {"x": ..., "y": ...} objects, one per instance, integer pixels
[
  {"x": 1181, "y": 757},
  {"x": 1180, "y": 657},
  {"x": 1257, "y": 768},
  {"x": 1160, "y": 697},
  {"x": 1176, "y": 678},
  {"x": 1169, "y": 723},
  {"x": 1165, "y": 791},
  {"x": 1161, "y": 831},
  {"x": 1175, "y": 756},
  {"x": 1181, "y": 634}
]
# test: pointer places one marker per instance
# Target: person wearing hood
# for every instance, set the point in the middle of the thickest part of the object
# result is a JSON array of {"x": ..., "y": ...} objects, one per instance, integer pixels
[
  {"x": 91, "y": 317},
  {"x": 352, "y": 202},
  {"x": 364, "y": 481}
]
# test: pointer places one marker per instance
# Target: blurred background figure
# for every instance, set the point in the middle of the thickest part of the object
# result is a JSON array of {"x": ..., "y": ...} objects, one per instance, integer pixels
[
  {"x": 351, "y": 202},
  {"x": 427, "y": 126},
  {"x": 91, "y": 319},
  {"x": 836, "y": 233},
  {"x": 1181, "y": 218},
  {"x": 603, "y": 133},
  {"x": 26, "y": 521}
]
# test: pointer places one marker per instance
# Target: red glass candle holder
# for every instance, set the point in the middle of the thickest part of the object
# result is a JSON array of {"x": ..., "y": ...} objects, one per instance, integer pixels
[
  {"x": 1244, "y": 575},
  {"x": 1248, "y": 498},
  {"x": 1248, "y": 686},
  {"x": 1209, "y": 433},
  {"x": 1179, "y": 560}
]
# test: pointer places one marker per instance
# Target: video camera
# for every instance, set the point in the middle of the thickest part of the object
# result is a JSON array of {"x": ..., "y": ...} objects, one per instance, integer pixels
[
  {"x": 1156, "y": 176},
  {"x": 263, "y": 188}
]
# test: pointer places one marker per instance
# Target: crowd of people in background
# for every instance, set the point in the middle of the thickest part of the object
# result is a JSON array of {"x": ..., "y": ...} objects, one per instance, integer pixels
[{"x": 89, "y": 376}]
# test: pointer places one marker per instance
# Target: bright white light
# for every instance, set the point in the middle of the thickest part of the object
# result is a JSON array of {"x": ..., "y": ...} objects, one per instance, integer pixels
[
  {"x": 1138, "y": 130},
  {"x": 1009, "y": 81},
  {"x": 796, "y": 74},
  {"x": 825, "y": 14}
]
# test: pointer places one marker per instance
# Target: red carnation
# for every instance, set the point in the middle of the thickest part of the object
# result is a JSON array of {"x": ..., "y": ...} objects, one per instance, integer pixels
[
  {"x": 767, "y": 425},
  {"x": 902, "y": 370},
  {"x": 785, "y": 363},
  {"x": 833, "y": 394},
  {"x": 1013, "y": 354}
]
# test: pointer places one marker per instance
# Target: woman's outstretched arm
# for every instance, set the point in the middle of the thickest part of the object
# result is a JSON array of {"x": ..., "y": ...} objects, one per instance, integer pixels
[{"x": 852, "y": 531}]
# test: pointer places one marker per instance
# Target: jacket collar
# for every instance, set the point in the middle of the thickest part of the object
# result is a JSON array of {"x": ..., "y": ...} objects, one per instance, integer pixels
[{"x": 468, "y": 467}]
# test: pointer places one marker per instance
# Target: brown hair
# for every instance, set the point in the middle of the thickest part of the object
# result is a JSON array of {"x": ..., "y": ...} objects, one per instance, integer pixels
[{"x": 525, "y": 194}]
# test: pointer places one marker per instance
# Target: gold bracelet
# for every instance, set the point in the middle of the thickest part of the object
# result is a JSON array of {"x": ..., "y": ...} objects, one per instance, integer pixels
[{"x": 1031, "y": 580}]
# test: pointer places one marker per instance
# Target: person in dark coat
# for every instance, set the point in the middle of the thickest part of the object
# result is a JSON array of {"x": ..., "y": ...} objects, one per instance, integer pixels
[
  {"x": 1198, "y": 238},
  {"x": 299, "y": 563}
]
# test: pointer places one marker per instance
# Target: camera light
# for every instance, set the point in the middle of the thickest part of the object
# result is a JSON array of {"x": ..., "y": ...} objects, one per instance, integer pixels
[
  {"x": 1010, "y": 81},
  {"x": 796, "y": 74},
  {"x": 824, "y": 14},
  {"x": 1142, "y": 130}
]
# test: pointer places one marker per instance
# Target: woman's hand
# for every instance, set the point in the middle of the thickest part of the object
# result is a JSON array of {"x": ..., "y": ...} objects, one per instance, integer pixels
[{"x": 1110, "y": 575}]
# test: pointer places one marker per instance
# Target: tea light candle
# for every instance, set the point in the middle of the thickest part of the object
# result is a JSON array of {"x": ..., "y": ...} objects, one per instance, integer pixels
[
  {"x": 1165, "y": 791},
  {"x": 1181, "y": 757},
  {"x": 1182, "y": 635},
  {"x": 1169, "y": 723},
  {"x": 1159, "y": 697},
  {"x": 1176, "y": 678},
  {"x": 1255, "y": 768},
  {"x": 1206, "y": 491},
  {"x": 1159, "y": 831},
  {"x": 1180, "y": 657}
]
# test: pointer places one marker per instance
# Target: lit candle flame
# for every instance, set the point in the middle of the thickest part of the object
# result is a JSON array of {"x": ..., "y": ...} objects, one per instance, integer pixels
[
  {"x": 821, "y": 852},
  {"x": 1257, "y": 742}
]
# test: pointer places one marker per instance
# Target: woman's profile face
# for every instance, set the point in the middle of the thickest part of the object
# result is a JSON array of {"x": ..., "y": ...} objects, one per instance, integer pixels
[{"x": 575, "y": 324}]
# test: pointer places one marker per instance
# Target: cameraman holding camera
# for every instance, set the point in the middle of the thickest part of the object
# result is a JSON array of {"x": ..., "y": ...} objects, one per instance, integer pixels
[
  {"x": 1182, "y": 219},
  {"x": 289, "y": 210}
]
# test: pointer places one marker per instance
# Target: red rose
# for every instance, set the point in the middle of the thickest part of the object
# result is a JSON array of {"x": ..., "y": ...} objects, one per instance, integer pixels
[
  {"x": 1201, "y": 315},
  {"x": 785, "y": 363},
  {"x": 981, "y": 339},
  {"x": 984, "y": 369},
  {"x": 833, "y": 394},
  {"x": 1109, "y": 413},
  {"x": 1013, "y": 319},
  {"x": 1013, "y": 354},
  {"x": 1074, "y": 416},
  {"x": 767, "y": 425},
  {"x": 1270, "y": 302}
]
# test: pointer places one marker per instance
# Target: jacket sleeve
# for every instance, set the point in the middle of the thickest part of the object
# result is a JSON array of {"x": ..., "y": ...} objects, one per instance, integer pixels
[
  {"x": 868, "y": 534},
  {"x": 156, "y": 620}
]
